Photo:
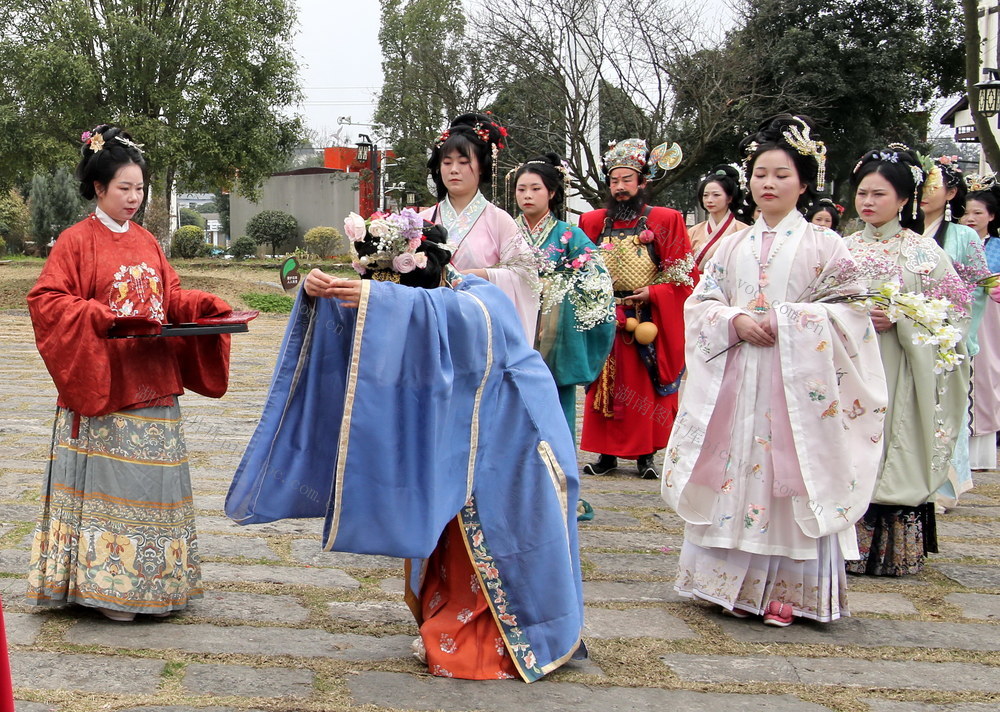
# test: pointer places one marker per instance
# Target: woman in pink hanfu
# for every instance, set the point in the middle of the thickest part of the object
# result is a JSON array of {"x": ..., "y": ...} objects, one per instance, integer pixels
[
  {"x": 774, "y": 455},
  {"x": 485, "y": 240}
]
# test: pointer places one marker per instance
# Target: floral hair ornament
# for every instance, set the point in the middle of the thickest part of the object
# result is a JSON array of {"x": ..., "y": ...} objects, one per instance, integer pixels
[
  {"x": 386, "y": 242},
  {"x": 799, "y": 140},
  {"x": 94, "y": 138},
  {"x": 442, "y": 137},
  {"x": 828, "y": 202},
  {"x": 976, "y": 182},
  {"x": 950, "y": 170},
  {"x": 482, "y": 132}
]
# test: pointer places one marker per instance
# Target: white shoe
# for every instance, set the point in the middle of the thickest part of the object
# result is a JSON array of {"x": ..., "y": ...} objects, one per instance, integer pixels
[
  {"x": 118, "y": 616},
  {"x": 419, "y": 651}
]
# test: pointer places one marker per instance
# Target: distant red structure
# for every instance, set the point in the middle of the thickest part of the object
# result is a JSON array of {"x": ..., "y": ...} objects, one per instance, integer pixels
[{"x": 345, "y": 158}]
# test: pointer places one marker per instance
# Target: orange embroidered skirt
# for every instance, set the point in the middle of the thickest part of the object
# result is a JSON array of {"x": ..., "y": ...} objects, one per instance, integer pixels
[{"x": 461, "y": 637}]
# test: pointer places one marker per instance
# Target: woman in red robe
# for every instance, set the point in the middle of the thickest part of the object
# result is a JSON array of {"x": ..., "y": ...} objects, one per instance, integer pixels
[
  {"x": 116, "y": 531},
  {"x": 6, "y": 684}
]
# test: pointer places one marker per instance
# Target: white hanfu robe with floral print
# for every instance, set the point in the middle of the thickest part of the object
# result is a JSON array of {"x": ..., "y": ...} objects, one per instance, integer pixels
[{"x": 775, "y": 450}]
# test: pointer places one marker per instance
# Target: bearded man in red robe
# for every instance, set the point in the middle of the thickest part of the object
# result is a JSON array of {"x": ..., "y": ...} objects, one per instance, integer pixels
[{"x": 631, "y": 406}]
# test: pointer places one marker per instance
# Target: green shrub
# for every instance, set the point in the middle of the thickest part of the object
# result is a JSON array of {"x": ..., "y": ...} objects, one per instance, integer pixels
[
  {"x": 274, "y": 303},
  {"x": 192, "y": 217},
  {"x": 272, "y": 226},
  {"x": 323, "y": 241},
  {"x": 243, "y": 248},
  {"x": 189, "y": 242}
]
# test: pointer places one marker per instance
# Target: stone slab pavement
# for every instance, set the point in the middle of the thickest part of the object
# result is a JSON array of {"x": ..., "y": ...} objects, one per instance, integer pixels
[{"x": 284, "y": 626}]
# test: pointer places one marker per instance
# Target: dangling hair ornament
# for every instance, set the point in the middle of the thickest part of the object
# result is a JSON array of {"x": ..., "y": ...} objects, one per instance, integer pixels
[
  {"x": 945, "y": 173},
  {"x": 800, "y": 141},
  {"x": 918, "y": 179},
  {"x": 495, "y": 148},
  {"x": 507, "y": 183},
  {"x": 748, "y": 154},
  {"x": 741, "y": 174}
]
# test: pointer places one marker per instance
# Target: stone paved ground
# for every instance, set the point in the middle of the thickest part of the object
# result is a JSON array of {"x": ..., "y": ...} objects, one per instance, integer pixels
[{"x": 285, "y": 627}]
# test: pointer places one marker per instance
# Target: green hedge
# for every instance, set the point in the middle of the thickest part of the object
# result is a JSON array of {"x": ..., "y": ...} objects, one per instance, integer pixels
[{"x": 272, "y": 303}]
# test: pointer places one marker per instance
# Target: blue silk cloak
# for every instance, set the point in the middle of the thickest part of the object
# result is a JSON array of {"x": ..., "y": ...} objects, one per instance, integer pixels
[{"x": 416, "y": 407}]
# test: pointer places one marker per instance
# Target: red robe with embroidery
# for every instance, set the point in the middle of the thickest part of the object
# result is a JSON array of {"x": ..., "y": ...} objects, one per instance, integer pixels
[
  {"x": 6, "y": 684},
  {"x": 642, "y": 419},
  {"x": 93, "y": 276}
]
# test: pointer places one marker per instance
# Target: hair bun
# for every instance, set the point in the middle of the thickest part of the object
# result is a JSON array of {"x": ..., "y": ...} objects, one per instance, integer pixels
[
  {"x": 773, "y": 131},
  {"x": 485, "y": 127},
  {"x": 724, "y": 169},
  {"x": 435, "y": 233},
  {"x": 555, "y": 159}
]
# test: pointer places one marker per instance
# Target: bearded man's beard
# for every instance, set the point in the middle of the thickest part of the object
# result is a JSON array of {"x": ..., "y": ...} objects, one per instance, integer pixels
[{"x": 626, "y": 210}]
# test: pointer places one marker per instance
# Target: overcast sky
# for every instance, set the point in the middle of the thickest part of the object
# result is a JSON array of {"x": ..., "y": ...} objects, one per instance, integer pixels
[{"x": 341, "y": 65}]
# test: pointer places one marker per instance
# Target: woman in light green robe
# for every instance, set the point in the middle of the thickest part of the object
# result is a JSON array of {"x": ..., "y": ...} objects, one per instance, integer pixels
[{"x": 924, "y": 414}]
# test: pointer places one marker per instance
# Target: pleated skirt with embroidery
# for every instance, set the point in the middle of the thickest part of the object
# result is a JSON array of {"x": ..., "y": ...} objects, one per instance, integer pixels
[
  {"x": 815, "y": 588},
  {"x": 117, "y": 523}
]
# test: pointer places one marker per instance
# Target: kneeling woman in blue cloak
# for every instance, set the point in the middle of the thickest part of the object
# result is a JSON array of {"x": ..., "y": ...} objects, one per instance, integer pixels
[{"x": 431, "y": 431}]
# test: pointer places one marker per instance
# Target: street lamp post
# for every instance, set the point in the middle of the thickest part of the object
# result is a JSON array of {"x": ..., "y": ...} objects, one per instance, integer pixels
[{"x": 367, "y": 152}]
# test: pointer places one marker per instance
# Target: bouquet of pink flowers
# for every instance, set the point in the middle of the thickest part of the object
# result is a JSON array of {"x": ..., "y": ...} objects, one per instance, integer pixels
[{"x": 386, "y": 241}]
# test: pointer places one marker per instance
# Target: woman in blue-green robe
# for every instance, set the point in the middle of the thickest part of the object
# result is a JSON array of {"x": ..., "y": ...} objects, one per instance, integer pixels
[
  {"x": 943, "y": 203},
  {"x": 576, "y": 324}
]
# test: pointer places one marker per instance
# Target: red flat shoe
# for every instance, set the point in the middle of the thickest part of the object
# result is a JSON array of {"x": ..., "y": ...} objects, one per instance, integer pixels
[{"x": 778, "y": 614}]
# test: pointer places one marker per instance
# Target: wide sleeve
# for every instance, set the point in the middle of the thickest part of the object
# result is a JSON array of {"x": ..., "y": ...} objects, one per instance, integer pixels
[
  {"x": 667, "y": 298},
  {"x": 71, "y": 325},
  {"x": 516, "y": 274},
  {"x": 829, "y": 399},
  {"x": 203, "y": 360},
  {"x": 707, "y": 313},
  {"x": 965, "y": 248},
  {"x": 927, "y": 411}
]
